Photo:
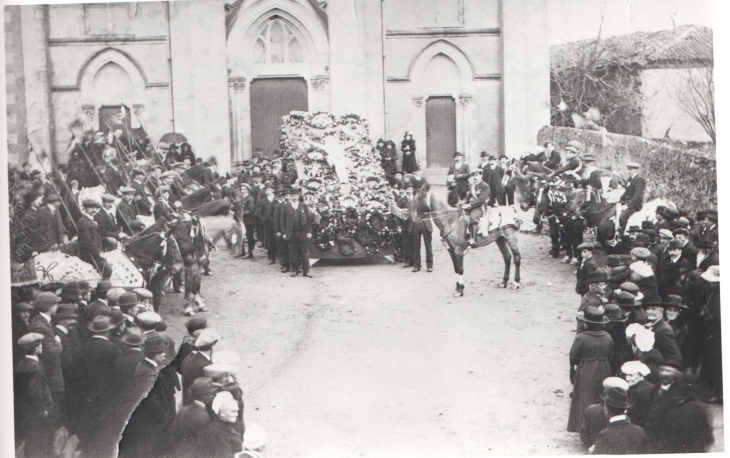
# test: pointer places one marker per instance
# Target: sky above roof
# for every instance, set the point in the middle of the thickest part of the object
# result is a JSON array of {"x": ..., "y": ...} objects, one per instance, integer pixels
[{"x": 573, "y": 20}]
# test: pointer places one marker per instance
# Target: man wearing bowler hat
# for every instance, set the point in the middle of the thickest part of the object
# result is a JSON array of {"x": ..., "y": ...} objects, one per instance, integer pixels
[
  {"x": 492, "y": 175},
  {"x": 296, "y": 230},
  {"x": 458, "y": 174},
  {"x": 664, "y": 340},
  {"x": 282, "y": 247},
  {"x": 91, "y": 247},
  {"x": 633, "y": 197},
  {"x": 620, "y": 437}
]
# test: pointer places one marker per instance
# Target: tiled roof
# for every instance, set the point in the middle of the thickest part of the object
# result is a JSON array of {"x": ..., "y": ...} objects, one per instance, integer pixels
[{"x": 677, "y": 46}]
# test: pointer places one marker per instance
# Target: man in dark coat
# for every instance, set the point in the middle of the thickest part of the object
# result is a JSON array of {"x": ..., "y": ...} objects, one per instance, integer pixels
[
  {"x": 639, "y": 390},
  {"x": 587, "y": 265},
  {"x": 620, "y": 437},
  {"x": 492, "y": 176},
  {"x": 52, "y": 226},
  {"x": 268, "y": 205},
  {"x": 595, "y": 419},
  {"x": 476, "y": 198},
  {"x": 689, "y": 250},
  {"x": 127, "y": 212},
  {"x": 193, "y": 365},
  {"x": 221, "y": 438},
  {"x": 676, "y": 423},
  {"x": 296, "y": 228},
  {"x": 45, "y": 305},
  {"x": 163, "y": 211},
  {"x": 142, "y": 198},
  {"x": 97, "y": 359},
  {"x": 35, "y": 411},
  {"x": 574, "y": 165},
  {"x": 672, "y": 271},
  {"x": 148, "y": 430},
  {"x": 246, "y": 211},
  {"x": 282, "y": 248},
  {"x": 633, "y": 197},
  {"x": 107, "y": 224},
  {"x": 664, "y": 340},
  {"x": 406, "y": 228},
  {"x": 31, "y": 234},
  {"x": 421, "y": 227},
  {"x": 459, "y": 175},
  {"x": 193, "y": 418},
  {"x": 553, "y": 156},
  {"x": 113, "y": 177}
]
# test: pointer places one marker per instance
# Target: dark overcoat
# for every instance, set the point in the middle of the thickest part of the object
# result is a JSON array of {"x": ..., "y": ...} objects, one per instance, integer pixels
[{"x": 590, "y": 352}]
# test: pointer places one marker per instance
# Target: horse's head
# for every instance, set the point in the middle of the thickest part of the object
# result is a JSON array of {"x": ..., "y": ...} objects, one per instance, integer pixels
[
  {"x": 171, "y": 256},
  {"x": 577, "y": 199}
]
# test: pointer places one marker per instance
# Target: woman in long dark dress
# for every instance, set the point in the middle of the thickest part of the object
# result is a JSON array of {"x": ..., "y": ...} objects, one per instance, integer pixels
[
  {"x": 589, "y": 365},
  {"x": 408, "y": 147}
]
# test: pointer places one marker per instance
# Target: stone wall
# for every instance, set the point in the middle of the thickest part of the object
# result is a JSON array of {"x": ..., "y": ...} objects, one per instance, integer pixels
[{"x": 686, "y": 177}]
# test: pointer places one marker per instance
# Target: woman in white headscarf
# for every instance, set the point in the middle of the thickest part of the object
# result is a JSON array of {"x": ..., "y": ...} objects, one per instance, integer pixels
[{"x": 221, "y": 439}]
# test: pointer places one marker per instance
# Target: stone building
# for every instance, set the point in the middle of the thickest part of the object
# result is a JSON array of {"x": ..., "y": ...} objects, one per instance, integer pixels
[{"x": 466, "y": 75}]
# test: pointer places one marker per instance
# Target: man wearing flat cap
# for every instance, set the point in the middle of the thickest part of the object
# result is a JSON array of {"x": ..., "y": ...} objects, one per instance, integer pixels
[
  {"x": 162, "y": 210},
  {"x": 107, "y": 225},
  {"x": 127, "y": 212},
  {"x": 142, "y": 198},
  {"x": 192, "y": 366},
  {"x": 193, "y": 418},
  {"x": 45, "y": 305},
  {"x": 689, "y": 251},
  {"x": 459, "y": 175},
  {"x": 574, "y": 166},
  {"x": 97, "y": 359},
  {"x": 91, "y": 247},
  {"x": 35, "y": 411},
  {"x": 587, "y": 265}
]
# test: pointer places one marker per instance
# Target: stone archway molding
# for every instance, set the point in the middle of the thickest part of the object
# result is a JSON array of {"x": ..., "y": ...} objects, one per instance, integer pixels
[
  {"x": 95, "y": 62},
  {"x": 450, "y": 50}
]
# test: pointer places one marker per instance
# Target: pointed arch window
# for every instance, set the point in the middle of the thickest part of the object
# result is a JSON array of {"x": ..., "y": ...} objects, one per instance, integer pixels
[{"x": 277, "y": 43}]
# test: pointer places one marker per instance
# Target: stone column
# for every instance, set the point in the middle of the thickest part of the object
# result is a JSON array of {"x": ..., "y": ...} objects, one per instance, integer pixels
[
  {"x": 526, "y": 72},
  {"x": 466, "y": 106},
  {"x": 199, "y": 75},
  {"x": 239, "y": 127}
]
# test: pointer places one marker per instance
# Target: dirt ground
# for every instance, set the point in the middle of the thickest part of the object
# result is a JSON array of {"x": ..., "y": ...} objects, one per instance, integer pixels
[{"x": 374, "y": 360}]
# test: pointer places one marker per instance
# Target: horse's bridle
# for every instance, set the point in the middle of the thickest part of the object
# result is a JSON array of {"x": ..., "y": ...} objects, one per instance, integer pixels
[{"x": 127, "y": 248}]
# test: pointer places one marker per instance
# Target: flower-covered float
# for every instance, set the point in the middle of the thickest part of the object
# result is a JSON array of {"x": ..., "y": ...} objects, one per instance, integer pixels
[{"x": 342, "y": 179}]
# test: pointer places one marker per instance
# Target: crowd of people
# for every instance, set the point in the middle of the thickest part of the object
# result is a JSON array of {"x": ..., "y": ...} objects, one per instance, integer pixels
[
  {"x": 648, "y": 341},
  {"x": 648, "y": 326},
  {"x": 89, "y": 359}
]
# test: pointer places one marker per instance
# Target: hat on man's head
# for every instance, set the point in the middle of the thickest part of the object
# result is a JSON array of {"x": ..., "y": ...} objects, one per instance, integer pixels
[
  {"x": 127, "y": 300},
  {"x": 154, "y": 343},
  {"x": 625, "y": 299},
  {"x": 202, "y": 386},
  {"x": 32, "y": 338},
  {"x": 633, "y": 229},
  {"x": 475, "y": 172},
  {"x": 101, "y": 324},
  {"x": 45, "y": 301},
  {"x": 641, "y": 253},
  {"x": 647, "y": 224},
  {"x": 653, "y": 301},
  {"x": 295, "y": 189},
  {"x": 178, "y": 165},
  {"x": 593, "y": 315},
  {"x": 614, "y": 313},
  {"x": 674, "y": 300},
  {"x": 675, "y": 244},
  {"x": 681, "y": 230},
  {"x": 91, "y": 203},
  {"x": 635, "y": 367},
  {"x": 195, "y": 323},
  {"x": 613, "y": 261},
  {"x": 598, "y": 276},
  {"x": 127, "y": 190},
  {"x": 217, "y": 371},
  {"x": 589, "y": 158},
  {"x": 492, "y": 157},
  {"x": 616, "y": 397},
  {"x": 712, "y": 215},
  {"x": 149, "y": 319},
  {"x": 633, "y": 165},
  {"x": 643, "y": 238},
  {"x": 483, "y": 154},
  {"x": 683, "y": 221},
  {"x": 116, "y": 317},
  {"x": 666, "y": 233},
  {"x": 113, "y": 295},
  {"x": 133, "y": 337},
  {"x": 50, "y": 198},
  {"x": 586, "y": 246},
  {"x": 143, "y": 293},
  {"x": 630, "y": 287},
  {"x": 168, "y": 174},
  {"x": 207, "y": 338},
  {"x": 108, "y": 198},
  {"x": 458, "y": 154},
  {"x": 20, "y": 306},
  {"x": 103, "y": 286},
  {"x": 670, "y": 212}
]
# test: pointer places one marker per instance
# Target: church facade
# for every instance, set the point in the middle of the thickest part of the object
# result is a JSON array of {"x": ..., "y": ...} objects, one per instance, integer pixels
[{"x": 460, "y": 75}]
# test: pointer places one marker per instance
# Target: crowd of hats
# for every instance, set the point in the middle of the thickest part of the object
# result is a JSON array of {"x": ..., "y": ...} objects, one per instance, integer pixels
[{"x": 360, "y": 215}]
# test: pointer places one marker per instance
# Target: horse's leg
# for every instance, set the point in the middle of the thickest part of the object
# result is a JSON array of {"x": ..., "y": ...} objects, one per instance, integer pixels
[
  {"x": 156, "y": 283},
  {"x": 516, "y": 257},
  {"x": 197, "y": 280},
  {"x": 458, "y": 261},
  {"x": 507, "y": 256}
]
